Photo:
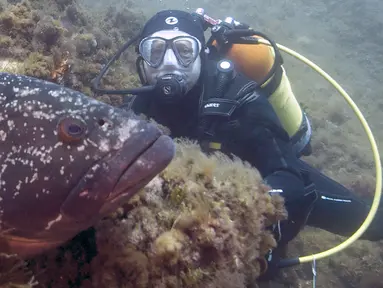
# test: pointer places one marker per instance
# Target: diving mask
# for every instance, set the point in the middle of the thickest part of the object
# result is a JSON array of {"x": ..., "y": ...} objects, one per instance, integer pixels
[{"x": 185, "y": 48}]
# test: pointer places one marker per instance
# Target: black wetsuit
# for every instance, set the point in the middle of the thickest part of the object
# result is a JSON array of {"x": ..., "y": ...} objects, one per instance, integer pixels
[{"x": 254, "y": 133}]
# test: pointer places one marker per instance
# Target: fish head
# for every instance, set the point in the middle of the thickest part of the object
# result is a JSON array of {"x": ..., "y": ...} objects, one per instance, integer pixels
[{"x": 66, "y": 160}]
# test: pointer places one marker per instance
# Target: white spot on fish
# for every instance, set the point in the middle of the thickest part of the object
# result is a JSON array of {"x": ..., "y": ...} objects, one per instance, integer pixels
[
  {"x": 54, "y": 93},
  {"x": 19, "y": 185},
  {"x": 95, "y": 167},
  {"x": 81, "y": 148},
  {"x": 34, "y": 178},
  {"x": 125, "y": 132},
  {"x": 11, "y": 124},
  {"x": 50, "y": 223},
  {"x": 104, "y": 145},
  {"x": 84, "y": 193},
  {"x": 25, "y": 92},
  {"x": 43, "y": 115},
  {"x": 93, "y": 143},
  {"x": 3, "y": 135}
]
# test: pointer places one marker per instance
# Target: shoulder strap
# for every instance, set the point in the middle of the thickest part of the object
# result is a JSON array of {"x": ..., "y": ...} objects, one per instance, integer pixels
[{"x": 273, "y": 84}]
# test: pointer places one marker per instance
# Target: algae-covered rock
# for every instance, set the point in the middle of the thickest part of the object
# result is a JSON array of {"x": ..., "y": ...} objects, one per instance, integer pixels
[
  {"x": 126, "y": 21},
  {"x": 47, "y": 32},
  {"x": 64, "y": 3},
  {"x": 5, "y": 43},
  {"x": 9, "y": 66},
  {"x": 202, "y": 218},
  {"x": 38, "y": 65},
  {"x": 86, "y": 44},
  {"x": 75, "y": 16},
  {"x": 40, "y": 31},
  {"x": 18, "y": 22}
]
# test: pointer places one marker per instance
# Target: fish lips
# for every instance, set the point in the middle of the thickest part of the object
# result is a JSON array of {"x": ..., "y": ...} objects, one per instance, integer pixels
[
  {"x": 140, "y": 172},
  {"x": 118, "y": 176}
]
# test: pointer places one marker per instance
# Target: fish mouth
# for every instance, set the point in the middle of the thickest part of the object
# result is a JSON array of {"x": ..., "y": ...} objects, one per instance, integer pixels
[
  {"x": 118, "y": 176},
  {"x": 139, "y": 171},
  {"x": 153, "y": 159}
]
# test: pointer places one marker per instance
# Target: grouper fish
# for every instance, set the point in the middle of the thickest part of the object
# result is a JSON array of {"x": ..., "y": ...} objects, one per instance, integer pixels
[{"x": 66, "y": 160}]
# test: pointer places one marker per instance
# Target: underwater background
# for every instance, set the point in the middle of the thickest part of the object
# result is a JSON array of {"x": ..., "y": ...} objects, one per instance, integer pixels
[{"x": 344, "y": 38}]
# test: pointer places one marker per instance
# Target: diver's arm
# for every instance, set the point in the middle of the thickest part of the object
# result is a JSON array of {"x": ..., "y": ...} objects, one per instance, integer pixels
[{"x": 338, "y": 210}]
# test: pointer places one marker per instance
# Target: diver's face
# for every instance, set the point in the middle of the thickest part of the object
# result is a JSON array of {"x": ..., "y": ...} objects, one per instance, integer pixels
[{"x": 181, "y": 57}]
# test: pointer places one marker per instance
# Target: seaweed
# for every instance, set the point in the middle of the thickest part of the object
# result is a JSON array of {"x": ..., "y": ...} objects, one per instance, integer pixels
[{"x": 38, "y": 65}]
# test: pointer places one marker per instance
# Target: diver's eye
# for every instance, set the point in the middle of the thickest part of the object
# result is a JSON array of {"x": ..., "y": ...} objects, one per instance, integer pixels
[{"x": 71, "y": 130}]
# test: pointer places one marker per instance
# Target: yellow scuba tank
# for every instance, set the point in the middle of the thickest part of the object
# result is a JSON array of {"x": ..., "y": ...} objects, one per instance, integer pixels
[{"x": 255, "y": 61}]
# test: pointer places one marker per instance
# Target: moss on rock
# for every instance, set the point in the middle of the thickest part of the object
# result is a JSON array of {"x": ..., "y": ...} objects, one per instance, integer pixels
[{"x": 217, "y": 226}]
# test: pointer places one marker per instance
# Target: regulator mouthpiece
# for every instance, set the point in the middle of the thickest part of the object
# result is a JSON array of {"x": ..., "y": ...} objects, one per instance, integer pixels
[{"x": 170, "y": 88}]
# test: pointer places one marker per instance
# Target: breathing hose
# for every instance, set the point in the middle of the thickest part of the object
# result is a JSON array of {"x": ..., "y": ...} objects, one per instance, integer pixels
[{"x": 375, "y": 151}]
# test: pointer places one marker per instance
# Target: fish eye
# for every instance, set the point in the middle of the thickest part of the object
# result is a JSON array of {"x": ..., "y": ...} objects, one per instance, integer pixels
[
  {"x": 71, "y": 130},
  {"x": 74, "y": 129}
]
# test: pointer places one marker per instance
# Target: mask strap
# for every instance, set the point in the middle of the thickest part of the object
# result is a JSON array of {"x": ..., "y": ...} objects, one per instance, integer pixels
[{"x": 140, "y": 70}]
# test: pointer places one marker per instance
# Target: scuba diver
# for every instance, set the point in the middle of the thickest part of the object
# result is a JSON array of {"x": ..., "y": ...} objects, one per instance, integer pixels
[{"x": 238, "y": 99}]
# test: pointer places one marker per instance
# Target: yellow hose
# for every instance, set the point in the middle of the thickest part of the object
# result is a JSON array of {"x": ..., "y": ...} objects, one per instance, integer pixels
[{"x": 378, "y": 167}]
